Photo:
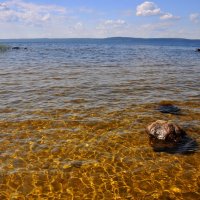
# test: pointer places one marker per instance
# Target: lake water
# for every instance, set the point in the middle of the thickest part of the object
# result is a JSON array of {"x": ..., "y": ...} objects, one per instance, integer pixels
[{"x": 73, "y": 114}]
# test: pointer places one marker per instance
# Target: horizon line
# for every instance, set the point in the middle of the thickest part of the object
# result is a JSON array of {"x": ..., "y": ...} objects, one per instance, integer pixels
[{"x": 100, "y": 38}]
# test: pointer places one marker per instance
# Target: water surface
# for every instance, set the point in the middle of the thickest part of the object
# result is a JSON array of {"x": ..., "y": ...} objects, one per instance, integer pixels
[{"x": 73, "y": 115}]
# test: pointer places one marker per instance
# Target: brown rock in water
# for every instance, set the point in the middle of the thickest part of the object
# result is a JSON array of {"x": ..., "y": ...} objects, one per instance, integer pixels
[{"x": 165, "y": 131}]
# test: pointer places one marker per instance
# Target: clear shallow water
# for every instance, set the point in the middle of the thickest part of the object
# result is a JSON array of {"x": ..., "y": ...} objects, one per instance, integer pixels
[{"x": 73, "y": 115}]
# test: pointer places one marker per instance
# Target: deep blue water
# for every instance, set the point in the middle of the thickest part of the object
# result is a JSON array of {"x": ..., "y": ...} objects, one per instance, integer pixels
[{"x": 110, "y": 52}]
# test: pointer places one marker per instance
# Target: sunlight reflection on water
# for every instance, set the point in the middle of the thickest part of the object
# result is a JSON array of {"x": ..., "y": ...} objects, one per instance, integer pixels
[{"x": 73, "y": 118}]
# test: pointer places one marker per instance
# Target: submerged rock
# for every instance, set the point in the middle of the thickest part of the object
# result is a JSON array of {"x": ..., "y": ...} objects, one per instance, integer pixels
[
  {"x": 168, "y": 108},
  {"x": 165, "y": 131}
]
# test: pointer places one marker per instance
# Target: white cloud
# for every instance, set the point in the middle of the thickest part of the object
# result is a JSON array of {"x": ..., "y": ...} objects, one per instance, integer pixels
[
  {"x": 147, "y": 9},
  {"x": 162, "y": 26},
  {"x": 46, "y": 17},
  {"x": 168, "y": 16},
  {"x": 114, "y": 22},
  {"x": 164, "y": 29},
  {"x": 195, "y": 17},
  {"x": 3, "y": 6},
  {"x": 78, "y": 26},
  {"x": 150, "y": 9},
  {"x": 23, "y": 19},
  {"x": 111, "y": 27},
  {"x": 24, "y": 12},
  {"x": 111, "y": 24}
]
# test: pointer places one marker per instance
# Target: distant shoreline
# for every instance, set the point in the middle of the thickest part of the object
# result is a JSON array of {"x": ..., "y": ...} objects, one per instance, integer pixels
[{"x": 107, "y": 38}]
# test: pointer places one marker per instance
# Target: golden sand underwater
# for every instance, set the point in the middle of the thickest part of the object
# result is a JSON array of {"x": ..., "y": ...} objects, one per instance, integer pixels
[{"x": 96, "y": 153}]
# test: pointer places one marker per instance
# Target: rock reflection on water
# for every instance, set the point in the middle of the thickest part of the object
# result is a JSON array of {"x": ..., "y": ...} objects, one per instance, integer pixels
[
  {"x": 95, "y": 154},
  {"x": 186, "y": 146}
]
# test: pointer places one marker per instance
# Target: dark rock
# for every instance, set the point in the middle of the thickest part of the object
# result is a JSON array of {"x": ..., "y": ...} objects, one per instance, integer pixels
[
  {"x": 168, "y": 108},
  {"x": 15, "y": 48},
  {"x": 165, "y": 131},
  {"x": 198, "y": 50},
  {"x": 18, "y": 48}
]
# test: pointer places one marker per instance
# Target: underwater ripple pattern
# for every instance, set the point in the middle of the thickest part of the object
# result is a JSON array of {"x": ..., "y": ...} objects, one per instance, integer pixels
[{"x": 73, "y": 118}]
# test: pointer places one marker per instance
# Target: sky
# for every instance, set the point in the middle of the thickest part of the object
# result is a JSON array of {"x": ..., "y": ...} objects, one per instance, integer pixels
[{"x": 99, "y": 18}]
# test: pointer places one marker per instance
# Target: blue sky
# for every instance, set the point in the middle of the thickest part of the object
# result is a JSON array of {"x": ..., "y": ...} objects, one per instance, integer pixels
[{"x": 99, "y": 18}]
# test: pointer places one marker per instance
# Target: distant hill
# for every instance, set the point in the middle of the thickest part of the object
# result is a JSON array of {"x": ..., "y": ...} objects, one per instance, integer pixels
[{"x": 110, "y": 40}]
